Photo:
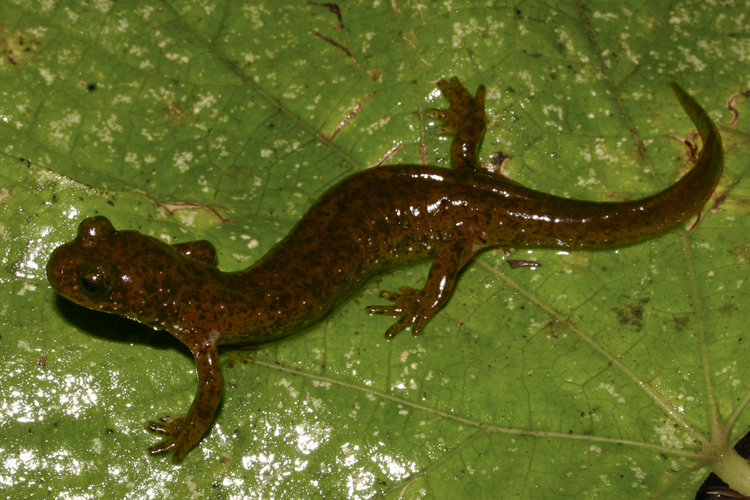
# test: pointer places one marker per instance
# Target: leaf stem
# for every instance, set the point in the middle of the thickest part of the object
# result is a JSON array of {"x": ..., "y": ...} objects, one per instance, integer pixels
[{"x": 735, "y": 471}]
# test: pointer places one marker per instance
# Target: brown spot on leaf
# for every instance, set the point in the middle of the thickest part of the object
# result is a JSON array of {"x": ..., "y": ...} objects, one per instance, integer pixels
[
  {"x": 553, "y": 329},
  {"x": 632, "y": 313},
  {"x": 175, "y": 114},
  {"x": 335, "y": 10},
  {"x": 681, "y": 322},
  {"x": 41, "y": 362},
  {"x": 741, "y": 252},
  {"x": 729, "y": 309},
  {"x": 523, "y": 263},
  {"x": 16, "y": 47}
]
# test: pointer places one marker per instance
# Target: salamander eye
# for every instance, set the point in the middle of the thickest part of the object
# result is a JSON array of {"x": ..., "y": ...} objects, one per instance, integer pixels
[{"x": 96, "y": 279}]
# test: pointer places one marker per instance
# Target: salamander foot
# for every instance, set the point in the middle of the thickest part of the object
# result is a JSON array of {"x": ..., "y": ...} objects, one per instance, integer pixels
[{"x": 414, "y": 307}]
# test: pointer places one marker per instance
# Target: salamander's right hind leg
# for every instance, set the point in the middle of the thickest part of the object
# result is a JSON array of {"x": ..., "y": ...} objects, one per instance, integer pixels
[{"x": 464, "y": 120}]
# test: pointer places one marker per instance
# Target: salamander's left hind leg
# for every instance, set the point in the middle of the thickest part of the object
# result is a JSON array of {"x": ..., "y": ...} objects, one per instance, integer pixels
[
  {"x": 416, "y": 307},
  {"x": 464, "y": 120}
]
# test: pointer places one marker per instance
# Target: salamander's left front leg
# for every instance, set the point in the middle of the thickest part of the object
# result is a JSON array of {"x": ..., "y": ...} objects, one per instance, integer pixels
[
  {"x": 185, "y": 432},
  {"x": 416, "y": 307}
]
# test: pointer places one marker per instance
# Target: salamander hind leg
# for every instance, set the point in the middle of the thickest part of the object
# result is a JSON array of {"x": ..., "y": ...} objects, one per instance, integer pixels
[
  {"x": 417, "y": 307},
  {"x": 414, "y": 307},
  {"x": 464, "y": 119}
]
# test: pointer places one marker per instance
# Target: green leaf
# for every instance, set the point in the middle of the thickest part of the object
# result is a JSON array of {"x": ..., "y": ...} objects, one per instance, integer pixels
[{"x": 598, "y": 374}]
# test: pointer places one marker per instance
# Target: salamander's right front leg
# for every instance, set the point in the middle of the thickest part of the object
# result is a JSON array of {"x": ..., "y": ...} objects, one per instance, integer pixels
[
  {"x": 200, "y": 251},
  {"x": 185, "y": 432}
]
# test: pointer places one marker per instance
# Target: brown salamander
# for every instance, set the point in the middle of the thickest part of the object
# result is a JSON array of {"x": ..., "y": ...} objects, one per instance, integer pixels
[{"x": 370, "y": 222}]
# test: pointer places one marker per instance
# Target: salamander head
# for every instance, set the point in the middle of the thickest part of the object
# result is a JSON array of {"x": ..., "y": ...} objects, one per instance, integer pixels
[{"x": 122, "y": 272}]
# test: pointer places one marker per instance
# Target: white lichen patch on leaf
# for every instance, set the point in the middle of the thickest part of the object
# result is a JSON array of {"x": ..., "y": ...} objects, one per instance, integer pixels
[
  {"x": 293, "y": 91},
  {"x": 61, "y": 134},
  {"x": 611, "y": 390},
  {"x": 723, "y": 371},
  {"x": 186, "y": 217},
  {"x": 586, "y": 154},
  {"x": 218, "y": 143},
  {"x": 181, "y": 160},
  {"x": 122, "y": 25},
  {"x": 712, "y": 48},
  {"x": 590, "y": 181},
  {"x": 132, "y": 158},
  {"x": 556, "y": 109},
  {"x": 741, "y": 47},
  {"x": 251, "y": 242},
  {"x": 293, "y": 393},
  {"x": 609, "y": 16},
  {"x": 528, "y": 80},
  {"x": 376, "y": 125},
  {"x": 462, "y": 30},
  {"x": 638, "y": 472},
  {"x": 566, "y": 40},
  {"x": 204, "y": 102},
  {"x": 688, "y": 56},
  {"x": 102, "y": 5},
  {"x": 311, "y": 435},
  {"x": 680, "y": 15},
  {"x": 47, "y": 75},
  {"x": 668, "y": 435},
  {"x": 601, "y": 153},
  {"x": 254, "y": 13}
]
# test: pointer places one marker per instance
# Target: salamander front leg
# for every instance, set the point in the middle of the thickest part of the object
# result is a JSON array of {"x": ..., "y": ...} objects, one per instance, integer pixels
[
  {"x": 200, "y": 251},
  {"x": 185, "y": 432},
  {"x": 416, "y": 307}
]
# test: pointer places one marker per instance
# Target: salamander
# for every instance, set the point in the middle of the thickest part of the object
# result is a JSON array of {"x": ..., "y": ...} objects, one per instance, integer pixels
[{"x": 370, "y": 222}]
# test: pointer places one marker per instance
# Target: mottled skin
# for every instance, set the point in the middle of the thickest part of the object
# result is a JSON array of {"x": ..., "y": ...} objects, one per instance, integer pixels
[{"x": 372, "y": 221}]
